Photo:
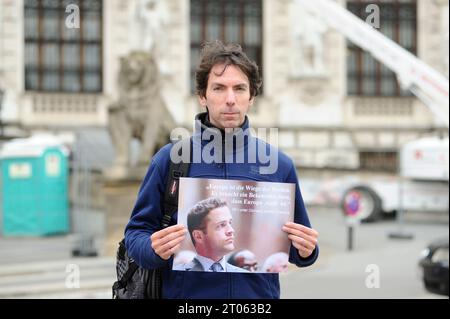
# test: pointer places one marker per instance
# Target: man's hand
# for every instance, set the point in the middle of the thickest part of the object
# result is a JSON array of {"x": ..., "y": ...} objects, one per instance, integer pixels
[
  {"x": 303, "y": 238},
  {"x": 166, "y": 241}
]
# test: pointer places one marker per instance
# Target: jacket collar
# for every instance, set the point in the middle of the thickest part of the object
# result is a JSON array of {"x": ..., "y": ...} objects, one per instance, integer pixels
[{"x": 206, "y": 132}]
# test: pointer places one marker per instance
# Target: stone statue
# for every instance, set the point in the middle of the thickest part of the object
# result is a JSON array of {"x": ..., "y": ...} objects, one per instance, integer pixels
[
  {"x": 307, "y": 32},
  {"x": 148, "y": 20},
  {"x": 140, "y": 111}
]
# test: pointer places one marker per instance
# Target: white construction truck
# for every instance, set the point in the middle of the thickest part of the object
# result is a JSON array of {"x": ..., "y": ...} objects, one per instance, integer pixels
[
  {"x": 422, "y": 184},
  {"x": 424, "y": 164}
]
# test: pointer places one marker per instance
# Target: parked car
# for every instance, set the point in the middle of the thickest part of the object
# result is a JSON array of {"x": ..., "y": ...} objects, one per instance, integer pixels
[{"x": 434, "y": 264}]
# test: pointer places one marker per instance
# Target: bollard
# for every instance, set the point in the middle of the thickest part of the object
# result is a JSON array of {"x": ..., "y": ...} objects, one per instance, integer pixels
[{"x": 350, "y": 238}]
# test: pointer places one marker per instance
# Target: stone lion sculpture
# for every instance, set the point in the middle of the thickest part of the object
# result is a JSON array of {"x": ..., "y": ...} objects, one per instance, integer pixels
[{"x": 140, "y": 111}]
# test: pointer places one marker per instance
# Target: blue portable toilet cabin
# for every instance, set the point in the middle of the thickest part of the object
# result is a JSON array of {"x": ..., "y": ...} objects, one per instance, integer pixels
[{"x": 34, "y": 187}]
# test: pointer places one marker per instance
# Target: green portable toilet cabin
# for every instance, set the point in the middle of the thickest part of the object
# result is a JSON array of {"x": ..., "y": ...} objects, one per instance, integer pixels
[{"x": 34, "y": 187}]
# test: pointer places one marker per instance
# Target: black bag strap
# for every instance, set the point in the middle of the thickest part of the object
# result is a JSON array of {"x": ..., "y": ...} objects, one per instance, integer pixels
[
  {"x": 132, "y": 267},
  {"x": 176, "y": 170}
]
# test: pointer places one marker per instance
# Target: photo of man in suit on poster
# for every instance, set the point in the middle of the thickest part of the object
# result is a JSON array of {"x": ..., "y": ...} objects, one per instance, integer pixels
[
  {"x": 232, "y": 226},
  {"x": 212, "y": 234}
]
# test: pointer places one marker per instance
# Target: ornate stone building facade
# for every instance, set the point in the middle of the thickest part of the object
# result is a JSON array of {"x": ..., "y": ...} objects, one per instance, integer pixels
[{"x": 340, "y": 110}]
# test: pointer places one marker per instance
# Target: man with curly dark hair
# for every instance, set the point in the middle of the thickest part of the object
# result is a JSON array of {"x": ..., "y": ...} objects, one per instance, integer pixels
[{"x": 227, "y": 82}]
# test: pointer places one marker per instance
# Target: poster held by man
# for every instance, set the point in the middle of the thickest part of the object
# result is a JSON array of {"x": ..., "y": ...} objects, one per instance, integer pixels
[{"x": 229, "y": 218}]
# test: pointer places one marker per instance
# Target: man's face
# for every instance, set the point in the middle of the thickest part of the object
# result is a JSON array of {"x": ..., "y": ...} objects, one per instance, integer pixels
[
  {"x": 227, "y": 96},
  {"x": 219, "y": 234}
]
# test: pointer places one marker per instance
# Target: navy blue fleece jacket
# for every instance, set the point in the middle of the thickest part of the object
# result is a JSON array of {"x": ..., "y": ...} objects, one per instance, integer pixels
[{"x": 147, "y": 214}]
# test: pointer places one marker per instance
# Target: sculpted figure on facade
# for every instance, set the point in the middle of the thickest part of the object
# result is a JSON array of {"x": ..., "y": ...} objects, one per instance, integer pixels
[
  {"x": 140, "y": 111},
  {"x": 148, "y": 29},
  {"x": 307, "y": 32}
]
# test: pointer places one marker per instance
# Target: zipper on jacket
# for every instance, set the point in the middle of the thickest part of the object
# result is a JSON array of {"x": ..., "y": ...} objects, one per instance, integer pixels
[{"x": 223, "y": 158}]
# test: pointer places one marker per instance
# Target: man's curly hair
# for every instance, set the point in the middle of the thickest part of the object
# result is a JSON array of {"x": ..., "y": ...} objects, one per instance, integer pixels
[{"x": 231, "y": 54}]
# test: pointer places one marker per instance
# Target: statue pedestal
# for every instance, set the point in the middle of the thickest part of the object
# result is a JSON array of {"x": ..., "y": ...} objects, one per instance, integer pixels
[{"x": 119, "y": 199}]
